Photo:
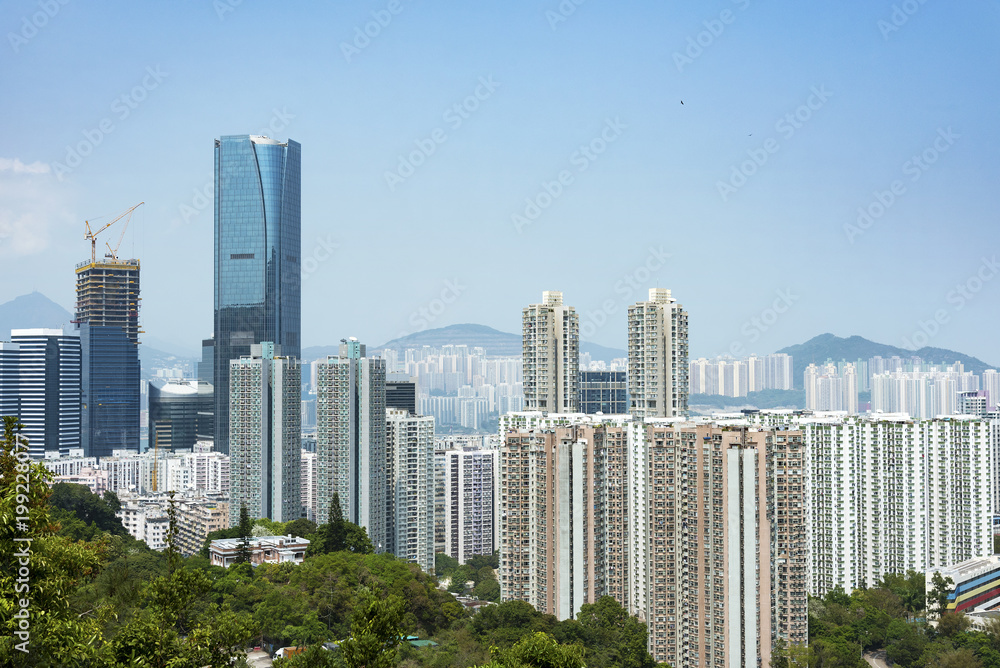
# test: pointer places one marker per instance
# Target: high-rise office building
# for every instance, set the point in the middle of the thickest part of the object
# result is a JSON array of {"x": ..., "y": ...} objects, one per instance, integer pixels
[
  {"x": 658, "y": 356},
  {"x": 603, "y": 392},
  {"x": 265, "y": 445},
  {"x": 551, "y": 355},
  {"x": 107, "y": 314},
  {"x": 258, "y": 273},
  {"x": 401, "y": 392},
  {"x": 409, "y": 443},
  {"x": 180, "y": 414},
  {"x": 471, "y": 502},
  {"x": 40, "y": 373},
  {"x": 350, "y": 439}
]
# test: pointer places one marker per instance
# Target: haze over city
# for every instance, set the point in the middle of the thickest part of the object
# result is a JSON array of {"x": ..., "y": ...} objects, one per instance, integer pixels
[{"x": 837, "y": 162}]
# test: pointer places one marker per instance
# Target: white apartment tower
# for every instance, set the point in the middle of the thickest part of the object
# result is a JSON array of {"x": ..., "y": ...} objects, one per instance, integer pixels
[
  {"x": 265, "y": 434},
  {"x": 551, "y": 355},
  {"x": 658, "y": 356},
  {"x": 471, "y": 502},
  {"x": 351, "y": 456},
  {"x": 410, "y": 501}
]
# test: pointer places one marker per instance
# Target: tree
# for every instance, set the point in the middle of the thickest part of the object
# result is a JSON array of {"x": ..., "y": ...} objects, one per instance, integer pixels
[
  {"x": 444, "y": 564},
  {"x": 538, "y": 650},
  {"x": 958, "y": 658},
  {"x": 246, "y": 532},
  {"x": 792, "y": 656},
  {"x": 335, "y": 538},
  {"x": 375, "y": 631},
  {"x": 618, "y": 633},
  {"x": 357, "y": 540},
  {"x": 89, "y": 508},
  {"x": 951, "y": 623},
  {"x": 937, "y": 599},
  {"x": 41, "y": 569},
  {"x": 300, "y": 527}
]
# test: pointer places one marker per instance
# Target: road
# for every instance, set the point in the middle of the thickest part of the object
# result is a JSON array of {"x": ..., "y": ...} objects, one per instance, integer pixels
[{"x": 876, "y": 659}]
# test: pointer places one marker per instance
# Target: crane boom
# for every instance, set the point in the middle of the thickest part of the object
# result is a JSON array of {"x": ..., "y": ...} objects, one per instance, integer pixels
[{"x": 92, "y": 236}]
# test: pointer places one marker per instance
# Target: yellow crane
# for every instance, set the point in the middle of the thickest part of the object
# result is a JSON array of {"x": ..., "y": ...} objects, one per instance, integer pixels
[
  {"x": 92, "y": 236},
  {"x": 156, "y": 457}
]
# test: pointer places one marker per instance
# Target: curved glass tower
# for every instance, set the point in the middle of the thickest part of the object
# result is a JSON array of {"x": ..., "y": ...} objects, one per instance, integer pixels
[{"x": 258, "y": 276}]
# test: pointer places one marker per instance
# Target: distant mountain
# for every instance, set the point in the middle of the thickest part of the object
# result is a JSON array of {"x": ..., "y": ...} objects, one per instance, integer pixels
[
  {"x": 495, "y": 342},
  {"x": 827, "y": 346},
  {"x": 31, "y": 311}
]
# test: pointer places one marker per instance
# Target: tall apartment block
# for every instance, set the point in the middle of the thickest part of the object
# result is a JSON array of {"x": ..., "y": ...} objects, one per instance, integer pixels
[
  {"x": 471, "y": 505},
  {"x": 265, "y": 447},
  {"x": 658, "y": 356},
  {"x": 410, "y": 445},
  {"x": 563, "y": 541},
  {"x": 551, "y": 355},
  {"x": 40, "y": 373},
  {"x": 697, "y": 528},
  {"x": 258, "y": 273},
  {"x": 725, "y": 548},
  {"x": 107, "y": 314},
  {"x": 351, "y": 454},
  {"x": 603, "y": 392},
  {"x": 888, "y": 493},
  {"x": 831, "y": 389}
]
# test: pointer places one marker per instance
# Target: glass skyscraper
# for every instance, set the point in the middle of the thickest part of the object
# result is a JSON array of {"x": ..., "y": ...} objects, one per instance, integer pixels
[
  {"x": 258, "y": 274},
  {"x": 110, "y": 390}
]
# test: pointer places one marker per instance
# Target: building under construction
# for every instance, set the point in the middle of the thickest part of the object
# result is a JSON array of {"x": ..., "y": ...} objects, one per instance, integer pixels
[
  {"x": 107, "y": 295},
  {"x": 107, "y": 314}
]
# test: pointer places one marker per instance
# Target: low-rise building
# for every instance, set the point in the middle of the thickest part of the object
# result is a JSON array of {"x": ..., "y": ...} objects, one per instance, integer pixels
[{"x": 263, "y": 550}]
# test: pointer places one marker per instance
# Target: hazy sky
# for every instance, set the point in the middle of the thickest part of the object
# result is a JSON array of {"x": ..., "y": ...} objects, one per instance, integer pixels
[{"x": 744, "y": 200}]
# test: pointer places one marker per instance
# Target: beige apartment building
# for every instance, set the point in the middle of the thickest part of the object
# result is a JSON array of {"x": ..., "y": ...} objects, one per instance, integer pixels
[
  {"x": 551, "y": 355},
  {"x": 697, "y": 528},
  {"x": 658, "y": 356}
]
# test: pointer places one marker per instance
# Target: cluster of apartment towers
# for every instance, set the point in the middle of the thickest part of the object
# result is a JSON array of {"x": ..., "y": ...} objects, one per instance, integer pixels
[
  {"x": 714, "y": 530},
  {"x": 711, "y": 530}
]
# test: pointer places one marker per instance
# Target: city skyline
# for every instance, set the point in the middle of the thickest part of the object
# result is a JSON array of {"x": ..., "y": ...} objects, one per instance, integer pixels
[{"x": 846, "y": 144}]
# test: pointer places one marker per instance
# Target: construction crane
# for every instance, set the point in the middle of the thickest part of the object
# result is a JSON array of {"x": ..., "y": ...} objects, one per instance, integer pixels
[
  {"x": 92, "y": 236},
  {"x": 156, "y": 457}
]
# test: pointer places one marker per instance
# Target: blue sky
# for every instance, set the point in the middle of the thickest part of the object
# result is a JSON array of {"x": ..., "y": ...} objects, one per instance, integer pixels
[{"x": 744, "y": 200}]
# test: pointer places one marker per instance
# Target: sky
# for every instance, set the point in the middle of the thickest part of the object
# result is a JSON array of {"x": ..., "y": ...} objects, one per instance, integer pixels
[{"x": 786, "y": 169}]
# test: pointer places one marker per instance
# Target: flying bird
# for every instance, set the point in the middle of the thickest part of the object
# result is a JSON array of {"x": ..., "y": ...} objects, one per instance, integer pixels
[{"x": 682, "y": 101}]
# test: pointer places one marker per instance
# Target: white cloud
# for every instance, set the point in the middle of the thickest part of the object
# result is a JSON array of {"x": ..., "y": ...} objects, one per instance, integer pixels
[
  {"x": 18, "y": 167},
  {"x": 31, "y": 210}
]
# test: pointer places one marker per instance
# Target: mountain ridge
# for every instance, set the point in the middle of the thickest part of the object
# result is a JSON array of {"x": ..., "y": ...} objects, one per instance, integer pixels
[{"x": 828, "y": 346}]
